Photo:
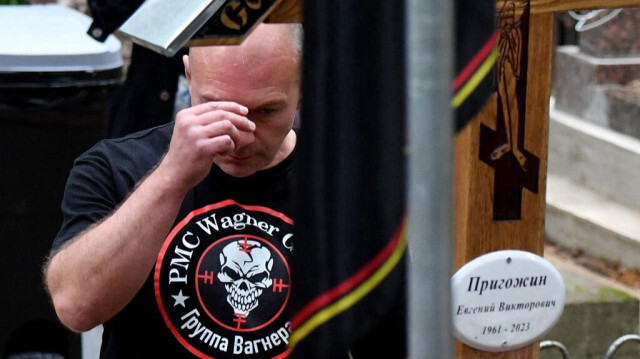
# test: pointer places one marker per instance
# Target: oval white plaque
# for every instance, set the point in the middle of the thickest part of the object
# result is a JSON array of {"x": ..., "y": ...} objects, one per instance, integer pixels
[{"x": 506, "y": 300}]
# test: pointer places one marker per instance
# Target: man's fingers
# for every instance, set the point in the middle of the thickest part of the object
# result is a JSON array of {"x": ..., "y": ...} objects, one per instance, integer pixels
[
  {"x": 210, "y": 112},
  {"x": 239, "y": 121},
  {"x": 219, "y": 145},
  {"x": 221, "y": 128},
  {"x": 245, "y": 138},
  {"x": 227, "y": 128},
  {"x": 219, "y": 105},
  {"x": 215, "y": 127}
]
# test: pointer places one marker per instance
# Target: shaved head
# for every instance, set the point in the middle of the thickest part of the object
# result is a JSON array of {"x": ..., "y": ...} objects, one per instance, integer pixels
[{"x": 266, "y": 40}]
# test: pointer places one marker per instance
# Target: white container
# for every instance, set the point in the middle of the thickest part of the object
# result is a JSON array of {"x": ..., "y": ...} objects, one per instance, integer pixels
[{"x": 52, "y": 38}]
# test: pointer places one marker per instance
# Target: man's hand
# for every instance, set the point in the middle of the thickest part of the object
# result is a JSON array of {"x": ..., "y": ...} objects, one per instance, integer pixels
[{"x": 202, "y": 132}]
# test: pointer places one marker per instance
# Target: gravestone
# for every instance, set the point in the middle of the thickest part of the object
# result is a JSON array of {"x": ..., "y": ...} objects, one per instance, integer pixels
[{"x": 597, "y": 79}]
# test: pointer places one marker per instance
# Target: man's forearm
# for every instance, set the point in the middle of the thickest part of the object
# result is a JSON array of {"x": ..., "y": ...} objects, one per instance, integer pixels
[{"x": 95, "y": 276}]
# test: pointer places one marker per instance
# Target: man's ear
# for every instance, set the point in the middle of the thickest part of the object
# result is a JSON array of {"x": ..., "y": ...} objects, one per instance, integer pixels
[{"x": 187, "y": 69}]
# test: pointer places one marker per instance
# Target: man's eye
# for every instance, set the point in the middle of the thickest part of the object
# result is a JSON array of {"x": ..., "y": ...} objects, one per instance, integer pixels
[
  {"x": 266, "y": 111},
  {"x": 263, "y": 112}
]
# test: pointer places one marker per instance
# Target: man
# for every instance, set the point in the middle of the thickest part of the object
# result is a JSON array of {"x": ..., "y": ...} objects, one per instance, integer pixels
[{"x": 177, "y": 257}]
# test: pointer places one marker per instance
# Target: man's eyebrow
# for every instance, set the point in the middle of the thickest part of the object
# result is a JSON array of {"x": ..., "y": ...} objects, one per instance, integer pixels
[
  {"x": 210, "y": 98},
  {"x": 276, "y": 101},
  {"x": 271, "y": 103}
]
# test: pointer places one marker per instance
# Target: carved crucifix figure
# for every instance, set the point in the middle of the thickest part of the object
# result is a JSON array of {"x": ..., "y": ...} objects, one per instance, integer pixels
[
  {"x": 504, "y": 148},
  {"x": 510, "y": 46}
]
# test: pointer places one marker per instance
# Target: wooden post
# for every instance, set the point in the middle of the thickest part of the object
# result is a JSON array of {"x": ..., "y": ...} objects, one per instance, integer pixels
[
  {"x": 287, "y": 11},
  {"x": 501, "y": 157},
  {"x": 235, "y": 19}
]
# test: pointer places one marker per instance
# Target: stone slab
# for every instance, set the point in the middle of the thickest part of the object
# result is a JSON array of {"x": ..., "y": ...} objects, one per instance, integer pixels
[
  {"x": 580, "y": 218},
  {"x": 623, "y": 109},
  {"x": 580, "y": 81},
  {"x": 598, "y": 311},
  {"x": 594, "y": 157},
  {"x": 588, "y": 329}
]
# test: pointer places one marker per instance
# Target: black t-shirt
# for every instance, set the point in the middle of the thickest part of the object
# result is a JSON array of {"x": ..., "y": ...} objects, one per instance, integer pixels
[{"x": 220, "y": 286}]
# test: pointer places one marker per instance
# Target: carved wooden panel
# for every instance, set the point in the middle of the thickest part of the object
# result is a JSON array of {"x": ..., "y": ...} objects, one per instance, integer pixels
[{"x": 500, "y": 171}]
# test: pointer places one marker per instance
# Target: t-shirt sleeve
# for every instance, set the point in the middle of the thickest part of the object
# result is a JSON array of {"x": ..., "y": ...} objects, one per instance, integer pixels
[
  {"x": 90, "y": 195},
  {"x": 103, "y": 177}
]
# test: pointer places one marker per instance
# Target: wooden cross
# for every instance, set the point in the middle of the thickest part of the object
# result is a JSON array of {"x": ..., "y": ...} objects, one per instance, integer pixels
[{"x": 501, "y": 156}]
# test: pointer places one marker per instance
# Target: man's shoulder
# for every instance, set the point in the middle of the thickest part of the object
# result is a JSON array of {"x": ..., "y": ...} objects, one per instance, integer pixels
[
  {"x": 147, "y": 144},
  {"x": 152, "y": 138},
  {"x": 131, "y": 156}
]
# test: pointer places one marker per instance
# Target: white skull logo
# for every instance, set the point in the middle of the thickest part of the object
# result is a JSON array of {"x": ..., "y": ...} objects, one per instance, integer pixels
[{"x": 246, "y": 271}]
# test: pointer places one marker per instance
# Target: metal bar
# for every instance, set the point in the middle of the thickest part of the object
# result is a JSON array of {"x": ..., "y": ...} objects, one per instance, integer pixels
[
  {"x": 165, "y": 26},
  {"x": 554, "y": 344},
  {"x": 619, "y": 342},
  {"x": 429, "y": 34}
]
